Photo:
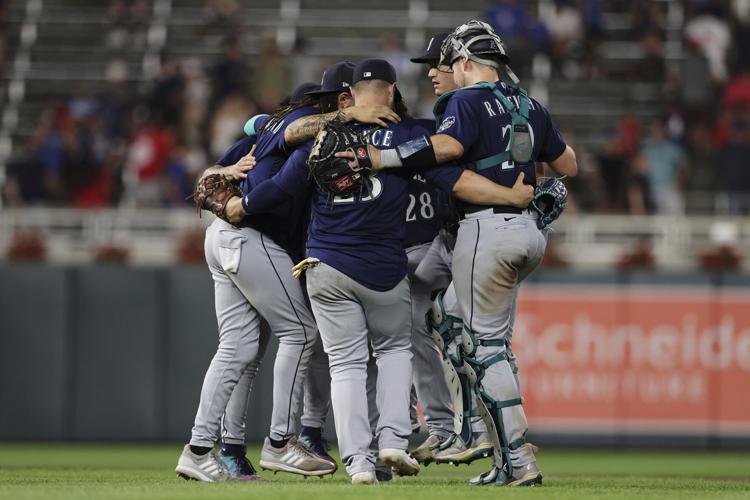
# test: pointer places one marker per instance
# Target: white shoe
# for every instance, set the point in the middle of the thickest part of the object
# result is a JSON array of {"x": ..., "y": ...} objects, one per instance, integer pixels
[
  {"x": 294, "y": 458},
  {"x": 206, "y": 467},
  {"x": 365, "y": 477},
  {"x": 400, "y": 461}
]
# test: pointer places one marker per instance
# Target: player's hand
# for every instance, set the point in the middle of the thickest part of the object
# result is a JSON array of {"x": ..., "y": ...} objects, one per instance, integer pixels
[
  {"x": 522, "y": 193},
  {"x": 376, "y": 114},
  {"x": 239, "y": 170},
  {"x": 234, "y": 211},
  {"x": 349, "y": 157}
]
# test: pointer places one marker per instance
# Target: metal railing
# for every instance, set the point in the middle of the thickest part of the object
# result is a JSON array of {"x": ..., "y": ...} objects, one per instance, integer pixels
[{"x": 585, "y": 241}]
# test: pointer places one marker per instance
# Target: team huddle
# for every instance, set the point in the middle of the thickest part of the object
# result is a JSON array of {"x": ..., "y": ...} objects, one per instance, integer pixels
[{"x": 385, "y": 253}]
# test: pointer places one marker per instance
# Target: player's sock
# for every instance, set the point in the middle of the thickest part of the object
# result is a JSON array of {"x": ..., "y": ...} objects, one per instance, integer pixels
[
  {"x": 235, "y": 450},
  {"x": 199, "y": 450},
  {"x": 278, "y": 443}
]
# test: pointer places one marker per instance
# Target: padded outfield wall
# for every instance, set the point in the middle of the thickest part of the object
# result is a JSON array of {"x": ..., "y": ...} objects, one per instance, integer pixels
[{"x": 119, "y": 353}]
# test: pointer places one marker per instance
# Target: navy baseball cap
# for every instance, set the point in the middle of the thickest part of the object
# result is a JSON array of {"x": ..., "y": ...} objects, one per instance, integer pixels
[
  {"x": 432, "y": 54},
  {"x": 374, "y": 69},
  {"x": 336, "y": 78},
  {"x": 302, "y": 90}
]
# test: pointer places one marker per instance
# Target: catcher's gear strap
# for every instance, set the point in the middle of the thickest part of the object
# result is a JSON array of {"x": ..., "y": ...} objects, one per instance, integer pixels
[{"x": 520, "y": 149}]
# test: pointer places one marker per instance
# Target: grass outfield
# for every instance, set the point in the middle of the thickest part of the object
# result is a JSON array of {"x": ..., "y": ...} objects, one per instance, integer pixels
[{"x": 92, "y": 471}]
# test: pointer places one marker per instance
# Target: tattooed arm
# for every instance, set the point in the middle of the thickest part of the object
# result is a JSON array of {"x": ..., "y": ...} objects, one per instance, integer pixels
[{"x": 307, "y": 127}]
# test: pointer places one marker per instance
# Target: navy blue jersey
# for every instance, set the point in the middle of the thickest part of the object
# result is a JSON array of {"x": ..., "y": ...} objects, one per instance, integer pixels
[
  {"x": 428, "y": 207},
  {"x": 285, "y": 222},
  {"x": 477, "y": 119},
  {"x": 362, "y": 236}
]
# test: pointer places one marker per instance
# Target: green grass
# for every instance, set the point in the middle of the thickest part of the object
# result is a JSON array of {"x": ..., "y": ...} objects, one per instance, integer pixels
[{"x": 111, "y": 472}]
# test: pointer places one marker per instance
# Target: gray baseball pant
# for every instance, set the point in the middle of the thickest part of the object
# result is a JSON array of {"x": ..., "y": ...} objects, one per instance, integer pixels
[
  {"x": 253, "y": 280},
  {"x": 493, "y": 254},
  {"x": 431, "y": 391},
  {"x": 349, "y": 315}
]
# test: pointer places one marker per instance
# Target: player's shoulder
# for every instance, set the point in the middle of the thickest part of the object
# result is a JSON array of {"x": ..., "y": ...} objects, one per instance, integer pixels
[{"x": 416, "y": 125}]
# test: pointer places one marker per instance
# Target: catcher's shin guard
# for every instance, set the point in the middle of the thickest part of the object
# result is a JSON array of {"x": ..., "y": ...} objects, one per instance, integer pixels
[
  {"x": 445, "y": 329},
  {"x": 488, "y": 408}
]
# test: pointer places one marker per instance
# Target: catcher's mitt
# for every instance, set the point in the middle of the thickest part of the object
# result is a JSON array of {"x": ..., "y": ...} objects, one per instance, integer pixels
[
  {"x": 550, "y": 199},
  {"x": 334, "y": 176},
  {"x": 213, "y": 192}
]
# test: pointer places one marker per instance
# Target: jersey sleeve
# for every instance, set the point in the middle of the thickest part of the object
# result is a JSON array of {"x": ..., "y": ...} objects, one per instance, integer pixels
[
  {"x": 443, "y": 176},
  {"x": 293, "y": 177},
  {"x": 236, "y": 151},
  {"x": 460, "y": 121},
  {"x": 291, "y": 180},
  {"x": 553, "y": 145}
]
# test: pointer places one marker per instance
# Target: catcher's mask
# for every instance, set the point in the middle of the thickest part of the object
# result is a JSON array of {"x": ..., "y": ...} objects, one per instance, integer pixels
[{"x": 478, "y": 42}]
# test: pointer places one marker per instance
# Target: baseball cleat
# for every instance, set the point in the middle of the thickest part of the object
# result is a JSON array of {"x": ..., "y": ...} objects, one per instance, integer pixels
[
  {"x": 365, "y": 477},
  {"x": 425, "y": 452},
  {"x": 206, "y": 467},
  {"x": 455, "y": 451},
  {"x": 526, "y": 475},
  {"x": 313, "y": 440},
  {"x": 399, "y": 461},
  {"x": 239, "y": 466},
  {"x": 294, "y": 458}
]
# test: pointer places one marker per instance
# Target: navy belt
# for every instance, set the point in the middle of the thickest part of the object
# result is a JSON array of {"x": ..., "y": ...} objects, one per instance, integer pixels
[{"x": 498, "y": 209}]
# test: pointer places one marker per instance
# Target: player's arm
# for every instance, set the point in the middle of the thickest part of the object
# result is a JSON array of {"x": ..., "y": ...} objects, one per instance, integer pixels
[
  {"x": 290, "y": 180},
  {"x": 237, "y": 171},
  {"x": 566, "y": 163},
  {"x": 307, "y": 127},
  {"x": 478, "y": 190},
  {"x": 473, "y": 188}
]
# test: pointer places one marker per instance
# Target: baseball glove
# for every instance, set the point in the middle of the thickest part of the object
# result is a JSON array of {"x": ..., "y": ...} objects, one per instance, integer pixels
[
  {"x": 550, "y": 199},
  {"x": 213, "y": 192},
  {"x": 334, "y": 176}
]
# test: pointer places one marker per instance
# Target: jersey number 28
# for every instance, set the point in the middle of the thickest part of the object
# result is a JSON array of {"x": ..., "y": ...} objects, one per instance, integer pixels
[{"x": 425, "y": 208}]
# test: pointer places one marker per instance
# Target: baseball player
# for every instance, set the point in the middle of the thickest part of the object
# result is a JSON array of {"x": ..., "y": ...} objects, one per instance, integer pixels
[
  {"x": 469, "y": 440},
  {"x": 499, "y": 132},
  {"x": 426, "y": 239},
  {"x": 245, "y": 264},
  {"x": 357, "y": 280}
]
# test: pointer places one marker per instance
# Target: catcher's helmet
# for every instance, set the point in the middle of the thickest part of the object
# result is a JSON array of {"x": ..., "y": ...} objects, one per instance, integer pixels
[{"x": 475, "y": 40}]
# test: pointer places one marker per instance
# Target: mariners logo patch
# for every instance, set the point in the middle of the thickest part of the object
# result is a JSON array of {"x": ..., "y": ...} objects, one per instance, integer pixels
[{"x": 447, "y": 123}]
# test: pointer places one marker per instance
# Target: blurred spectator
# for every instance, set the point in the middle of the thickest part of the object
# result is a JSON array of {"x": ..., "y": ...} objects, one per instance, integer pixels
[
  {"x": 304, "y": 67},
  {"x": 696, "y": 89},
  {"x": 651, "y": 67},
  {"x": 737, "y": 92},
  {"x": 508, "y": 18},
  {"x": 230, "y": 75},
  {"x": 392, "y": 51},
  {"x": 196, "y": 94},
  {"x": 147, "y": 158},
  {"x": 223, "y": 17},
  {"x": 180, "y": 177},
  {"x": 639, "y": 199},
  {"x": 165, "y": 97},
  {"x": 271, "y": 82},
  {"x": 228, "y": 122},
  {"x": 664, "y": 160},
  {"x": 565, "y": 26},
  {"x": 712, "y": 35},
  {"x": 129, "y": 21},
  {"x": 734, "y": 167},
  {"x": 702, "y": 166}
]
